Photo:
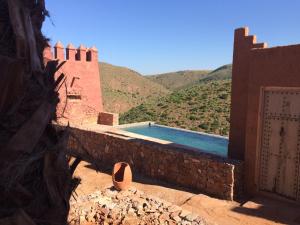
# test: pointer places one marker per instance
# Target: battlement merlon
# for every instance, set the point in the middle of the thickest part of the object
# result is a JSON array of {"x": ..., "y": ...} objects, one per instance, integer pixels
[
  {"x": 70, "y": 53},
  {"x": 243, "y": 39},
  {"x": 81, "y": 53},
  {"x": 59, "y": 51}
]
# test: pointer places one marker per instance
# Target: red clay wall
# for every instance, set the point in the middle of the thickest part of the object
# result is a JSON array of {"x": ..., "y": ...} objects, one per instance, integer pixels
[
  {"x": 276, "y": 67},
  {"x": 81, "y": 98},
  {"x": 243, "y": 43},
  {"x": 254, "y": 68}
]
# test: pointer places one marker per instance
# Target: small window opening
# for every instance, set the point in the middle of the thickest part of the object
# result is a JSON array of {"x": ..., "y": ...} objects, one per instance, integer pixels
[{"x": 89, "y": 56}]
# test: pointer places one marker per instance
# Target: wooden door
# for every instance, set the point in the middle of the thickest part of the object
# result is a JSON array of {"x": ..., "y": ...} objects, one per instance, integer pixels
[{"x": 280, "y": 143}]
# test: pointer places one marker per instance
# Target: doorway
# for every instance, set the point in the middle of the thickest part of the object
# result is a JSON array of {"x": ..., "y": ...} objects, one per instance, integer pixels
[{"x": 279, "y": 166}]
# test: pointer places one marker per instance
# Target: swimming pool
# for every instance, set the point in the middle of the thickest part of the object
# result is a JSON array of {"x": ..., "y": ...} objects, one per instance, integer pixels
[{"x": 207, "y": 143}]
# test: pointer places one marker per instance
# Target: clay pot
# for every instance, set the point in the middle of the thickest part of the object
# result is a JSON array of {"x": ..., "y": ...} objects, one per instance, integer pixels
[{"x": 122, "y": 176}]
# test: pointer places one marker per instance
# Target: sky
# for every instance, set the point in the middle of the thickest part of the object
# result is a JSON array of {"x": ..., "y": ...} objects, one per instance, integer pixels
[{"x": 158, "y": 36}]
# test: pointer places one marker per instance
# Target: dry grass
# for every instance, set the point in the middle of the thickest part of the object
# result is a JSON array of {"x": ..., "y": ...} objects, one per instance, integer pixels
[{"x": 123, "y": 88}]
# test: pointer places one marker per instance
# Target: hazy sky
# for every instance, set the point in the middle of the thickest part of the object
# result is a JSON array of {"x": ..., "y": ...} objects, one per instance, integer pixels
[{"x": 156, "y": 36}]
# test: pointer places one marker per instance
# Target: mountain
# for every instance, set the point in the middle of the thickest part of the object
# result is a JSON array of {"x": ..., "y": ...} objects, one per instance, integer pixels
[
  {"x": 176, "y": 80},
  {"x": 196, "y": 100},
  {"x": 181, "y": 79},
  {"x": 221, "y": 73},
  {"x": 123, "y": 88},
  {"x": 202, "y": 107}
]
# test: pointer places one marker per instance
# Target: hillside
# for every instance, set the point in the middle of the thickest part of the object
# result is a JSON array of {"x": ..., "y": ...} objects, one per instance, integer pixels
[
  {"x": 221, "y": 73},
  {"x": 202, "y": 107},
  {"x": 176, "y": 80},
  {"x": 123, "y": 88}
]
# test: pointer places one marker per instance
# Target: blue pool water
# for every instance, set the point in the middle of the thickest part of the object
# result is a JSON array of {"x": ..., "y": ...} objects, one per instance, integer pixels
[{"x": 207, "y": 143}]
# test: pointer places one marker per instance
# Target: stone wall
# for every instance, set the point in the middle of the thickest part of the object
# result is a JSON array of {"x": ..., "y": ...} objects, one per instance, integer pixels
[{"x": 206, "y": 173}]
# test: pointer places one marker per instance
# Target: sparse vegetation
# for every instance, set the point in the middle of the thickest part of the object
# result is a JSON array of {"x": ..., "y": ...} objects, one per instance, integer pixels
[
  {"x": 221, "y": 73},
  {"x": 196, "y": 100},
  {"x": 123, "y": 88},
  {"x": 200, "y": 107},
  {"x": 180, "y": 79}
]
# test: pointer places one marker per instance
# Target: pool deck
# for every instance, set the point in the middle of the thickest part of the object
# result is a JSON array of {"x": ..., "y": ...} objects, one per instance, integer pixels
[
  {"x": 174, "y": 128},
  {"x": 126, "y": 129},
  {"x": 257, "y": 211},
  {"x": 117, "y": 131}
]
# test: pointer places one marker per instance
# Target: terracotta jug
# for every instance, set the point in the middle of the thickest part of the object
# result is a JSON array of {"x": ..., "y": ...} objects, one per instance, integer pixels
[{"x": 122, "y": 176}]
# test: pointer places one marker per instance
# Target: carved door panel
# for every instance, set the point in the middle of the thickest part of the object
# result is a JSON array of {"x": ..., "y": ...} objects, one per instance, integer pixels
[{"x": 280, "y": 145}]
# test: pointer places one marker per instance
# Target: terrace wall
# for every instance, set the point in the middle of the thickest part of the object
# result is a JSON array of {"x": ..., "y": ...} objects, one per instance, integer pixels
[{"x": 206, "y": 173}]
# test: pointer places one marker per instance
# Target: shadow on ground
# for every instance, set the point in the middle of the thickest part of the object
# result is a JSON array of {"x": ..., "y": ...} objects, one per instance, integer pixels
[
  {"x": 138, "y": 178},
  {"x": 270, "y": 209},
  {"x": 260, "y": 207},
  {"x": 256, "y": 211}
]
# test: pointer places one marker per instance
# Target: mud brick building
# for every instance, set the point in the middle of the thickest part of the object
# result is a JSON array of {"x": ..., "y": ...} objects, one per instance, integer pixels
[
  {"x": 265, "y": 115},
  {"x": 81, "y": 96}
]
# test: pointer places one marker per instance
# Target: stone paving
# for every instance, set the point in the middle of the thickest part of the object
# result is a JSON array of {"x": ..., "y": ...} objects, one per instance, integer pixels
[{"x": 131, "y": 207}]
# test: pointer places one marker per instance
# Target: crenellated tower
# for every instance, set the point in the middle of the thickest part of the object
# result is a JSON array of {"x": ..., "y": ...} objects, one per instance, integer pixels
[{"x": 81, "y": 96}]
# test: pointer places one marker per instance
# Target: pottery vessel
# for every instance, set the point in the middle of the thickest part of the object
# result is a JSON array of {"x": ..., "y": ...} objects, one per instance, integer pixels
[{"x": 122, "y": 176}]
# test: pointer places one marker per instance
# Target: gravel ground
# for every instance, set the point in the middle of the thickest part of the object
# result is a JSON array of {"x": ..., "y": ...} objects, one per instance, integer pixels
[{"x": 131, "y": 207}]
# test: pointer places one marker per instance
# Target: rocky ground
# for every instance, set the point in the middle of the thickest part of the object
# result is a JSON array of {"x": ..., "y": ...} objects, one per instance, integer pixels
[{"x": 131, "y": 207}]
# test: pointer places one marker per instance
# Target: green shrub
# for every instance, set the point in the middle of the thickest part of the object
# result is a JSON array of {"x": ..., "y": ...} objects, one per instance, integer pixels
[
  {"x": 215, "y": 124},
  {"x": 193, "y": 110},
  {"x": 193, "y": 117},
  {"x": 223, "y": 96},
  {"x": 192, "y": 103},
  {"x": 219, "y": 109},
  {"x": 203, "y": 126}
]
